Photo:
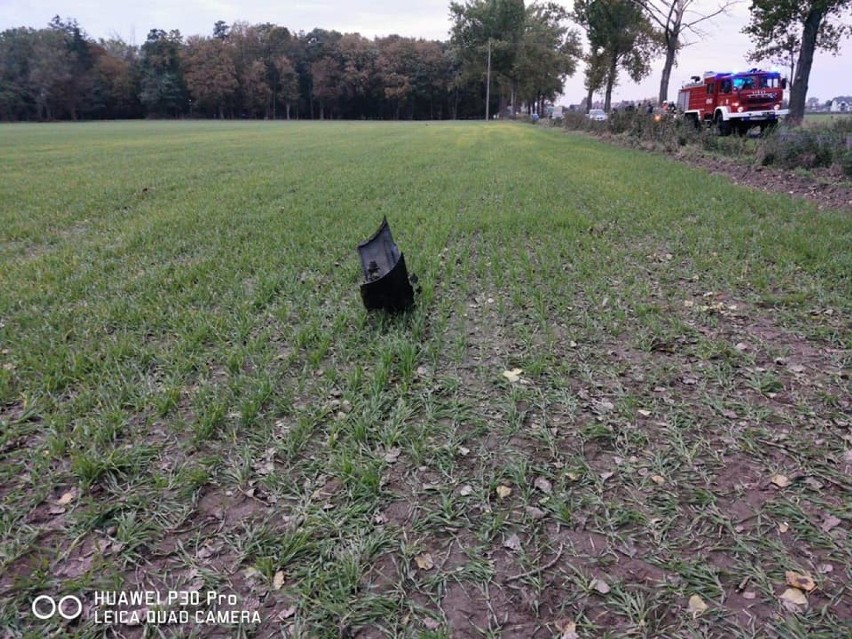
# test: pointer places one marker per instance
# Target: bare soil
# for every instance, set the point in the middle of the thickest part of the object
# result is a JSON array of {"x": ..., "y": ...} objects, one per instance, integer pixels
[{"x": 826, "y": 187}]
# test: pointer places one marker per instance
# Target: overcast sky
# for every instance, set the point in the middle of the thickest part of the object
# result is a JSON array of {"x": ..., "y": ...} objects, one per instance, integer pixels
[{"x": 724, "y": 48}]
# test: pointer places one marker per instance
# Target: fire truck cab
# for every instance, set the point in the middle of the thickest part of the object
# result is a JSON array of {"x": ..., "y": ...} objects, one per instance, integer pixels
[{"x": 734, "y": 101}]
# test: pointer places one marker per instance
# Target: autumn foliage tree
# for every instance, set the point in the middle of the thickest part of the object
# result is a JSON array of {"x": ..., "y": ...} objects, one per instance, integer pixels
[
  {"x": 413, "y": 76},
  {"x": 210, "y": 75},
  {"x": 116, "y": 79},
  {"x": 286, "y": 83},
  {"x": 266, "y": 71}
]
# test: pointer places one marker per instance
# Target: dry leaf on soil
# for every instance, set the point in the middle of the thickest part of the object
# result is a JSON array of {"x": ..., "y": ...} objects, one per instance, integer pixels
[
  {"x": 513, "y": 375},
  {"x": 793, "y": 598},
  {"x": 567, "y": 629},
  {"x": 67, "y": 498},
  {"x": 782, "y": 481},
  {"x": 424, "y": 561},
  {"x": 278, "y": 580},
  {"x": 696, "y": 605},
  {"x": 503, "y": 491},
  {"x": 802, "y": 582}
]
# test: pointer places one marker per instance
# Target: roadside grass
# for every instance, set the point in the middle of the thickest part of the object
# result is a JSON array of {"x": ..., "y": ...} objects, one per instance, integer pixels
[{"x": 193, "y": 398}]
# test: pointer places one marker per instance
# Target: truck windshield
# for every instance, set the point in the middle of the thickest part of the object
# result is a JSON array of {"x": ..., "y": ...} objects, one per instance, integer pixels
[
  {"x": 757, "y": 82},
  {"x": 744, "y": 82}
]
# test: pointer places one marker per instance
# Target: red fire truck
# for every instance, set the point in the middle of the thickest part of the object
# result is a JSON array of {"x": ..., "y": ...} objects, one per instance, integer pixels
[{"x": 734, "y": 101}]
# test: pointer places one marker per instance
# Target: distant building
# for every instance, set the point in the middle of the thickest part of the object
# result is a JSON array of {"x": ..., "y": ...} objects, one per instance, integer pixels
[{"x": 840, "y": 105}]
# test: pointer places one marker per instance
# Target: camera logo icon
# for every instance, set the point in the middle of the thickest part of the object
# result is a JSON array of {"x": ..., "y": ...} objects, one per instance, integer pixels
[{"x": 45, "y": 607}]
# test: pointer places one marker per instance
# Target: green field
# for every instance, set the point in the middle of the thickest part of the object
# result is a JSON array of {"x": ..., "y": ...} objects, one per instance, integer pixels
[
  {"x": 827, "y": 118},
  {"x": 192, "y": 397}
]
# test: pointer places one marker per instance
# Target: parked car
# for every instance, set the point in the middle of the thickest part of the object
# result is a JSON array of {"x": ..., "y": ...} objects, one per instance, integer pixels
[{"x": 597, "y": 114}]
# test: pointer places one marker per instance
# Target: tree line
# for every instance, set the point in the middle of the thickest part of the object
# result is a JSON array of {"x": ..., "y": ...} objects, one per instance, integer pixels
[
  {"x": 515, "y": 53},
  {"x": 267, "y": 71}
]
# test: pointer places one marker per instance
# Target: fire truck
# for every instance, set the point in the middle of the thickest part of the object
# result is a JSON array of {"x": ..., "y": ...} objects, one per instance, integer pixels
[{"x": 734, "y": 101}]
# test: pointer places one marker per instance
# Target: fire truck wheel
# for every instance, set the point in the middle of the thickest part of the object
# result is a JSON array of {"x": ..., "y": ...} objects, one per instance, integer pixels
[{"x": 724, "y": 128}]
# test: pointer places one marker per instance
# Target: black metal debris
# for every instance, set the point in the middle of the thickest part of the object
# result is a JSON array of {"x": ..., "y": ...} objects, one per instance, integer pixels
[{"x": 386, "y": 284}]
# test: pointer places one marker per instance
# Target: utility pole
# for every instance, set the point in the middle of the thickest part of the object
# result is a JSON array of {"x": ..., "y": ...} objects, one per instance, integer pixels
[{"x": 488, "y": 84}]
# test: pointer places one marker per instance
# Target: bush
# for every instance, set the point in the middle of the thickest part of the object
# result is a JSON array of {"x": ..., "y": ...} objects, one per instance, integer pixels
[
  {"x": 803, "y": 147},
  {"x": 846, "y": 163},
  {"x": 577, "y": 121},
  {"x": 806, "y": 148}
]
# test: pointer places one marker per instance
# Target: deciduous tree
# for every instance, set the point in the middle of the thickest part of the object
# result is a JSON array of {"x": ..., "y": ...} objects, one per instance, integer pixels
[
  {"x": 17, "y": 54},
  {"x": 674, "y": 18},
  {"x": 326, "y": 75},
  {"x": 548, "y": 53},
  {"x": 288, "y": 82},
  {"x": 489, "y": 29},
  {"x": 819, "y": 24},
  {"x": 620, "y": 37},
  {"x": 255, "y": 89},
  {"x": 116, "y": 82},
  {"x": 209, "y": 73},
  {"x": 50, "y": 74},
  {"x": 396, "y": 63}
]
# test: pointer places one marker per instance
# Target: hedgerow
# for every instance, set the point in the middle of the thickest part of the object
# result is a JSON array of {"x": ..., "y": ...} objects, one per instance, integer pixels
[{"x": 820, "y": 145}]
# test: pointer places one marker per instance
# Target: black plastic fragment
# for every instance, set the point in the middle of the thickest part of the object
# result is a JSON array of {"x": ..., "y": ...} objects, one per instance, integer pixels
[{"x": 386, "y": 284}]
